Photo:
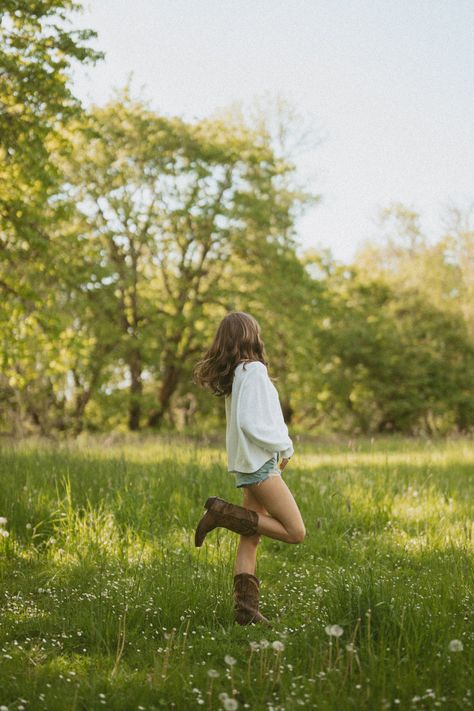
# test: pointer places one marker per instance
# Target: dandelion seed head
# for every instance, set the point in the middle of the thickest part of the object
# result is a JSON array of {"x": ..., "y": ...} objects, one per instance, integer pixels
[
  {"x": 230, "y": 660},
  {"x": 334, "y": 630},
  {"x": 278, "y": 646},
  {"x": 456, "y": 645},
  {"x": 230, "y": 704},
  {"x": 3, "y": 522},
  {"x": 213, "y": 673},
  {"x": 264, "y": 643}
]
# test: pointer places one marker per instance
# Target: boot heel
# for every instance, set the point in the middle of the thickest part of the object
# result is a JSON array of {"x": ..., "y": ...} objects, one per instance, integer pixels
[{"x": 210, "y": 501}]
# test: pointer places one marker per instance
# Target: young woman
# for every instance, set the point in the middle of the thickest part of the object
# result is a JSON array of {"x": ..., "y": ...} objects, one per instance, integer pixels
[{"x": 235, "y": 366}]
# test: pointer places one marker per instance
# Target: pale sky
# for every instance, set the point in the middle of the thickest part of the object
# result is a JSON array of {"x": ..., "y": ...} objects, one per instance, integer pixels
[{"x": 387, "y": 84}]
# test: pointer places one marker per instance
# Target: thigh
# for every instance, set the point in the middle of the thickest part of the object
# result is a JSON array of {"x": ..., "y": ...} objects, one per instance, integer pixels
[
  {"x": 274, "y": 495},
  {"x": 250, "y": 502}
]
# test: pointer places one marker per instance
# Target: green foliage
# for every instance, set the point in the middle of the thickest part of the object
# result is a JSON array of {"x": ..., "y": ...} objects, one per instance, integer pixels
[
  {"x": 36, "y": 52},
  {"x": 400, "y": 363}
]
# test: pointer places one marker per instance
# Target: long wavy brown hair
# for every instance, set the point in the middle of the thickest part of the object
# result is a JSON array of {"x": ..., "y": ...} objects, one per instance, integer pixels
[{"x": 237, "y": 339}]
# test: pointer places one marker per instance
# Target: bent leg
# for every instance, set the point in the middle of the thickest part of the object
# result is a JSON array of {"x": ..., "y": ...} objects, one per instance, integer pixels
[{"x": 285, "y": 522}]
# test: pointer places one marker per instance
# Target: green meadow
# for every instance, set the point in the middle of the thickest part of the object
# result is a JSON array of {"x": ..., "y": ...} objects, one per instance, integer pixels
[{"x": 106, "y": 604}]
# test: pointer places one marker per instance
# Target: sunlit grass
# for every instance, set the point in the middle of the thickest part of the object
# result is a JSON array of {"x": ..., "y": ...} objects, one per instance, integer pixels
[{"x": 105, "y": 602}]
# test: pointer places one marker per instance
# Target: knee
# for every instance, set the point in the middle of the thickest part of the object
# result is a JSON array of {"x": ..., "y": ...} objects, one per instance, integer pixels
[{"x": 297, "y": 535}]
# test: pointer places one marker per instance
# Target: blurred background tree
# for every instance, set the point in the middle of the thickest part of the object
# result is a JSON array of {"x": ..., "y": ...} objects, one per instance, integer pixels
[{"x": 126, "y": 235}]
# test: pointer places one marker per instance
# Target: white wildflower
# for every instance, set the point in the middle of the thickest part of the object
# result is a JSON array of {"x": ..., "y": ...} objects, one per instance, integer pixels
[
  {"x": 213, "y": 673},
  {"x": 278, "y": 646},
  {"x": 3, "y": 522},
  {"x": 254, "y": 646},
  {"x": 230, "y": 704},
  {"x": 264, "y": 643},
  {"x": 456, "y": 645},
  {"x": 4, "y": 533},
  {"x": 230, "y": 660},
  {"x": 350, "y": 648}
]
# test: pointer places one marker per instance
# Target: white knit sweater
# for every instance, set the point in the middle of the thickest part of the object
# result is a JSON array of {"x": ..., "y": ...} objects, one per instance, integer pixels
[{"x": 255, "y": 428}]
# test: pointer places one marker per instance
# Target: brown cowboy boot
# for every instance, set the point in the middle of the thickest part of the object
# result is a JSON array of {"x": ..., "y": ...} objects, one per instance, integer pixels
[
  {"x": 221, "y": 513},
  {"x": 246, "y": 594}
]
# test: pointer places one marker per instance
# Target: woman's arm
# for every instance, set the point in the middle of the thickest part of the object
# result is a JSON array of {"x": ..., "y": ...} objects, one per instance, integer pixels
[{"x": 261, "y": 416}]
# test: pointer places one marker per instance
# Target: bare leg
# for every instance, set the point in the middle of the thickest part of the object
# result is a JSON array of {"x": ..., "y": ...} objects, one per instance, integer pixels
[
  {"x": 284, "y": 522},
  {"x": 246, "y": 559}
]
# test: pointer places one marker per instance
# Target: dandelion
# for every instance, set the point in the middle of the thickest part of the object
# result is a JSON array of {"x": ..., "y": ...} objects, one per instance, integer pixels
[
  {"x": 222, "y": 696},
  {"x": 350, "y": 648},
  {"x": 278, "y": 646},
  {"x": 456, "y": 645},
  {"x": 230, "y": 704},
  {"x": 4, "y": 708},
  {"x": 230, "y": 660},
  {"x": 318, "y": 590},
  {"x": 334, "y": 630},
  {"x": 3, "y": 522},
  {"x": 28, "y": 526},
  {"x": 264, "y": 643},
  {"x": 4, "y": 533},
  {"x": 254, "y": 646},
  {"x": 213, "y": 673}
]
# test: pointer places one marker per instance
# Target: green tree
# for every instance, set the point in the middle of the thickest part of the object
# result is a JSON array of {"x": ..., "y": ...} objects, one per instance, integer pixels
[
  {"x": 37, "y": 49},
  {"x": 175, "y": 215}
]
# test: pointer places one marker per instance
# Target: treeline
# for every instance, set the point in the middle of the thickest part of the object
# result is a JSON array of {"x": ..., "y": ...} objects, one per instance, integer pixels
[{"x": 126, "y": 235}]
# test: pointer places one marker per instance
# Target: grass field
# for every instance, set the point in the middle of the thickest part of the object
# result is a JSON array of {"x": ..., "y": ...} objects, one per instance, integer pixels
[{"x": 106, "y": 604}]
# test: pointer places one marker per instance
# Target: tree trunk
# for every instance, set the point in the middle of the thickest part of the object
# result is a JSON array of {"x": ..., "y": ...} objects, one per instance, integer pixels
[
  {"x": 136, "y": 389},
  {"x": 168, "y": 387},
  {"x": 287, "y": 411}
]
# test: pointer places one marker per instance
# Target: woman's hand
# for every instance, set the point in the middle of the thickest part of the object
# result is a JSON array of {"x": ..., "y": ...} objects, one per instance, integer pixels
[{"x": 283, "y": 463}]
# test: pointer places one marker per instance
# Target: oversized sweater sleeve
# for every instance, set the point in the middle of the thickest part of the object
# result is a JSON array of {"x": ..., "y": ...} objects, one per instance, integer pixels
[{"x": 261, "y": 416}]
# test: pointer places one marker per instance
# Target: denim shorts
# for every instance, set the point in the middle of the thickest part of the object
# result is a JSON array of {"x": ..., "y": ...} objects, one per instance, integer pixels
[{"x": 270, "y": 468}]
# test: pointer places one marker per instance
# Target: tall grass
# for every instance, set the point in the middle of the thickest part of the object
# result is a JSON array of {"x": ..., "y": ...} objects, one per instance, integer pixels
[{"x": 105, "y": 602}]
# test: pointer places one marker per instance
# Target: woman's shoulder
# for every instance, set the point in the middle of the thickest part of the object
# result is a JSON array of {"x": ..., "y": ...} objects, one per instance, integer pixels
[
  {"x": 248, "y": 371},
  {"x": 255, "y": 365}
]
